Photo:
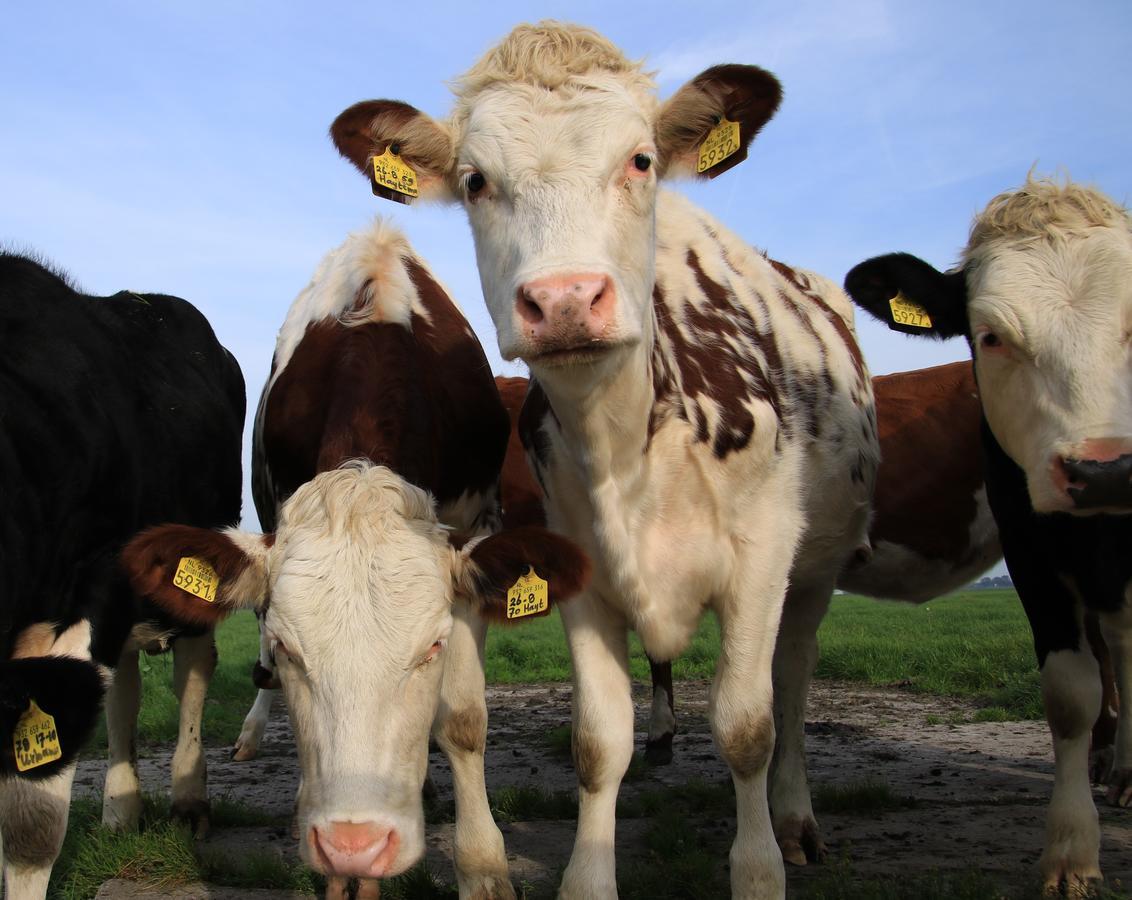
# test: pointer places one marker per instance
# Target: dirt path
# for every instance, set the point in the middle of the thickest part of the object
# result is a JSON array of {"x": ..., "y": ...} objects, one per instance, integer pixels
[{"x": 977, "y": 791}]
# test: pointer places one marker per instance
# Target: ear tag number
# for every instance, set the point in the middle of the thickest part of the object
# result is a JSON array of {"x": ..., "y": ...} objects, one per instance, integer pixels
[
  {"x": 196, "y": 577},
  {"x": 35, "y": 739},
  {"x": 721, "y": 142},
  {"x": 528, "y": 597},
  {"x": 393, "y": 178},
  {"x": 907, "y": 313}
]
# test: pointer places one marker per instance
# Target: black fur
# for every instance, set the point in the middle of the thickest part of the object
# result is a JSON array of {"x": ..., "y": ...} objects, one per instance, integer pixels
[
  {"x": 874, "y": 282},
  {"x": 118, "y": 413}
]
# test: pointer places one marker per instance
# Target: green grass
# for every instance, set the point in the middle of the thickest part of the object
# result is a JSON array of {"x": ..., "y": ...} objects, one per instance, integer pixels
[
  {"x": 974, "y": 644},
  {"x": 868, "y": 797}
]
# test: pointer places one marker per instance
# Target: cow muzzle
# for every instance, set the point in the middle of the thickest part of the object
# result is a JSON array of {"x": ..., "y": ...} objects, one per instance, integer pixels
[
  {"x": 567, "y": 313},
  {"x": 1096, "y": 474},
  {"x": 355, "y": 849}
]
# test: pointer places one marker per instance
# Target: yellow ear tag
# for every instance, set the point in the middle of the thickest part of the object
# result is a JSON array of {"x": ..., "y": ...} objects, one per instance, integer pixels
[
  {"x": 528, "y": 597},
  {"x": 905, "y": 312},
  {"x": 721, "y": 142},
  {"x": 391, "y": 173},
  {"x": 196, "y": 577},
  {"x": 35, "y": 739}
]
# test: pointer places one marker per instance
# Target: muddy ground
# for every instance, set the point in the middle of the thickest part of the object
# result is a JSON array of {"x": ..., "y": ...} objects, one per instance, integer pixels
[{"x": 979, "y": 789}]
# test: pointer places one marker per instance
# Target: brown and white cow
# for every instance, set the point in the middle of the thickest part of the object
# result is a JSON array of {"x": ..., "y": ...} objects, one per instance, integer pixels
[
  {"x": 701, "y": 417},
  {"x": 381, "y": 436},
  {"x": 1043, "y": 295}
]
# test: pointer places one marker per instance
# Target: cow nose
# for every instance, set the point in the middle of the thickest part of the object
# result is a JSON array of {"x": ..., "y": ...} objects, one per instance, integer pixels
[
  {"x": 358, "y": 849},
  {"x": 580, "y": 305},
  {"x": 1094, "y": 483}
]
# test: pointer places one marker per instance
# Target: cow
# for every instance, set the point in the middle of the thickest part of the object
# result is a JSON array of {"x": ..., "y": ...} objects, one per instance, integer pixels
[
  {"x": 380, "y": 436},
  {"x": 1043, "y": 296},
  {"x": 119, "y": 412},
  {"x": 700, "y": 417}
]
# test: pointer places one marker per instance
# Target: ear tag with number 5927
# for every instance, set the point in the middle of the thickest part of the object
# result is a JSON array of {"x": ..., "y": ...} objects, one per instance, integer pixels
[
  {"x": 528, "y": 597},
  {"x": 907, "y": 315}
]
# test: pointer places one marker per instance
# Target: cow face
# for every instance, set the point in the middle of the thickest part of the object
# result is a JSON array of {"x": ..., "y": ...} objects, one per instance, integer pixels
[
  {"x": 356, "y": 587},
  {"x": 554, "y": 150},
  {"x": 1044, "y": 298}
]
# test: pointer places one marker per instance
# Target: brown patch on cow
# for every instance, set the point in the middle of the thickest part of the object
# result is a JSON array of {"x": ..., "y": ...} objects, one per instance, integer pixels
[
  {"x": 519, "y": 492},
  {"x": 536, "y": 408},
  {"x": 747, "y": 748},
  {"x": 150, "y": 561},
  {"x": 465, "y": 729},
  {"x": 928, "y": 426},
  {"x": 1104, "y": 730},
  {"x": 366, "y": 129},
  {"x": 35, "y": 640},
  {"x": 496, "y": 563},
  {"x": 589, "y": 762},
  {"x": 727, "y": 373},
  {"x": 419, "y": 400}
]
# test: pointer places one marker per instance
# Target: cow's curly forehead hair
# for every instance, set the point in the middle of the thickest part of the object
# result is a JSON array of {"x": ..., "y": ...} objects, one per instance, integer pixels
[
  {"x": 1043, "y": 209},
  {"x": 552, "y": 56}
]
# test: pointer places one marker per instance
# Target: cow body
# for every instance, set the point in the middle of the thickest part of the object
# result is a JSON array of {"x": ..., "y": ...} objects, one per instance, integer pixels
[
  {"x": 119, "y": 412},
  {"x": 700, "y": 417},
  {"x": 1043, "y": 297},
  {"x": 379, "y": 440}
]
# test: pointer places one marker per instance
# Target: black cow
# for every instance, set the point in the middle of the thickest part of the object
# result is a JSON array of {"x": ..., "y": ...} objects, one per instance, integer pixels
[
  {"x": 117, "y": 413},
  {"x": 1044, "y": 297}
]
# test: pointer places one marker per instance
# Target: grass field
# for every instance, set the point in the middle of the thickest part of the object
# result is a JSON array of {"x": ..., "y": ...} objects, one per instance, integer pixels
[{"x": 973, "y": 644}]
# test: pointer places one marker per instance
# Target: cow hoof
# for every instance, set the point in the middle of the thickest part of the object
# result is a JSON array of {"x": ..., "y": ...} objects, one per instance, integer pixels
[
  {"x": 800, "y": 842},
  {"x": 341, "y": 888},
  {"x": 1072, "y": 886},
  {"x": 486, "y": 887},
  {"x": 194, "y": 813},
  {"x": 244, "y": 749},
  {"x": 1101, "y": 763},
  {"x": 1119, "y": 787},
  {"x": 658, "y": 752}
]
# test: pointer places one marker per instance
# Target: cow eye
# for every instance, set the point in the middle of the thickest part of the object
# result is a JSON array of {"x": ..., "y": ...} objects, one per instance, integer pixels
[
  {"x": 990, "y": 340},
  {"x": 474, "y": 183},
  {"x": 642, "y": 162}
]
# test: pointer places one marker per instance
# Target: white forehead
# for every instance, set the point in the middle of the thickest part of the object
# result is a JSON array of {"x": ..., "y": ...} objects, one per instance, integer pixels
[
  {"x": 523, "y": 127},
  {"x": 359, "y": 561}
]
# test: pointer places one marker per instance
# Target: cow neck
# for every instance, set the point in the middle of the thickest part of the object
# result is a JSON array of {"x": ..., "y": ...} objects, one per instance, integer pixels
[{"x": 605, "y": 419}]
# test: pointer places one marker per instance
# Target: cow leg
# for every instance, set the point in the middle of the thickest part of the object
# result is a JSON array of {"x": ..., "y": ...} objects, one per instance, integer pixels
[
  {"x": 121, "y": 795},
  {"x": 461, "y": 731},
  {"x": 1071, "y": 694},
  {"x": 795, "y": 656},
  {"x": 662, "y": 717},
  {"x": 1117, "y": 631},
  {"x": 33, "y": 823},
  {"x": 194, "y": 661},
  {"x": 742, "y": 723},
  {"x": 602, "y": 741},
  {"x": 1102, "y": 746},
  {"x": 247, "y": 744}
]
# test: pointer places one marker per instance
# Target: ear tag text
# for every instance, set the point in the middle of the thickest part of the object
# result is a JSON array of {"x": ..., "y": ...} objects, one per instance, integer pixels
[
  {"x": 197, "y": 577},
  {"x": 721, "y": 142},
  {"x": 528, "y": 597},
  {"x": 393, "y": 178},
  {"x": 907, "y": 313},
  {"x": 35, "y": 739}
]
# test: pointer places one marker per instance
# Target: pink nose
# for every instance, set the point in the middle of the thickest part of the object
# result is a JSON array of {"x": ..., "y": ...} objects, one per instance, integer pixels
[
  {"x": 567, "y": 308},
  {"x": 360, "y": 849}
]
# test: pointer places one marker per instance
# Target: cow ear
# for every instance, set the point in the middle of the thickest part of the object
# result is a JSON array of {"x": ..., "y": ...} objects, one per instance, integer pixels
[
  {"x": 400, "y": 138},
  {"x": 694, "y": 134},
  {"x": 487, "y": 570},
  {"x": 197, "y": 575},
  {"x": 909, "y": 295}
]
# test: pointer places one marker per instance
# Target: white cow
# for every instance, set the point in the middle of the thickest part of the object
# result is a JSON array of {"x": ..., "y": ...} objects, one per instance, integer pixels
[{"x": 700, "y": 416}]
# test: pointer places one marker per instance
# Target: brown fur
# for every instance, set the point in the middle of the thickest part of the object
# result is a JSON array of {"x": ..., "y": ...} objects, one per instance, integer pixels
[
  {"x": 747, "y": 749},
  {"x": 744, "y": 94},
  {"x": 366, "y": 129},
  {"x": 588, "y": 760},
  {"x": 150, "y": 561},
  {"x": 522, "y": 498},
  {"x": 465, "y": 730}
]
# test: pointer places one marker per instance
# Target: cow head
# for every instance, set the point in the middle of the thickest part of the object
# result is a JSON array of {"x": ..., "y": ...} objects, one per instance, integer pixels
[
  {"x": 1044, "y": 298},
  {"x": 356, "y": 586},
  {"x": 554, "y": 148}
]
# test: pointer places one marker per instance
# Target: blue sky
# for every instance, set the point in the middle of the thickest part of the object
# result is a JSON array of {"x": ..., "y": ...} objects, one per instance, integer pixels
[{"x": 182, "y": 147}]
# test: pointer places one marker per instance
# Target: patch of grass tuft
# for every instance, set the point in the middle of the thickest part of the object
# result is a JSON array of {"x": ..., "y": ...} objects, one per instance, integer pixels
[
  {"x": 678, "y": 863},
  {"x": 515, "y": 804},
  {"x": 860, "y": 797}
]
